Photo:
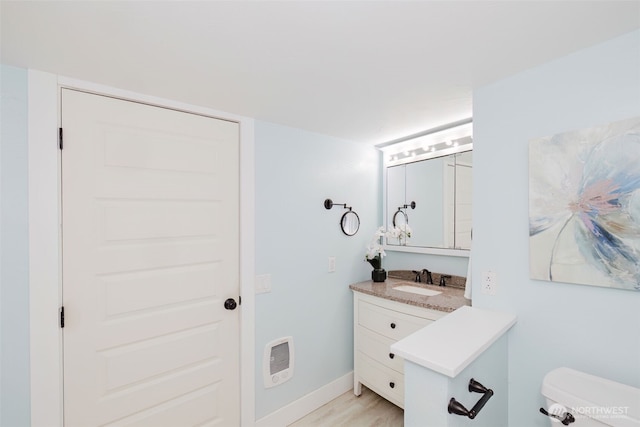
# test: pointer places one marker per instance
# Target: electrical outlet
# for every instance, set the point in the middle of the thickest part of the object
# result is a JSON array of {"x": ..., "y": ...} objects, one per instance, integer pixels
[
  {"x": 263, "y": 283},
  {"x": 489, "y": 282},
  {"x": 332, "y": 264}
]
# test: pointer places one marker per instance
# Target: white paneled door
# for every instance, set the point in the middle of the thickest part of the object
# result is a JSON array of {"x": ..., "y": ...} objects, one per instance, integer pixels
[{"x": 150, "y": 234}]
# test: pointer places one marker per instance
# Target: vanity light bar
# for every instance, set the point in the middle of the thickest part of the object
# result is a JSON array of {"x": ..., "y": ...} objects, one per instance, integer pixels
[
  {"x": 464, "y": 144},
  {"x": 441, "y": 141}
]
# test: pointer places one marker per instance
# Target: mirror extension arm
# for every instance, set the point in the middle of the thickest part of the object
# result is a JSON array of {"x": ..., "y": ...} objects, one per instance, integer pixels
[{"x": 350, "y": 221}]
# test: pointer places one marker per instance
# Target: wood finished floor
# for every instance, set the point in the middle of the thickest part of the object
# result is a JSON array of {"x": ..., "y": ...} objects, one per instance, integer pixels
[{"x": 368, "y": 410}]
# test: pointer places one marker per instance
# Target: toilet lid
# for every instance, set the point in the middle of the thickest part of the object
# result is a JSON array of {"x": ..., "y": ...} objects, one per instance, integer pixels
[{"x": 589, "y": 396}]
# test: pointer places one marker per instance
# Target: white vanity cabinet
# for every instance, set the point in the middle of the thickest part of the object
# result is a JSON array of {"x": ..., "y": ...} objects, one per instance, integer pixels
[{"x": 378, "y": 323}]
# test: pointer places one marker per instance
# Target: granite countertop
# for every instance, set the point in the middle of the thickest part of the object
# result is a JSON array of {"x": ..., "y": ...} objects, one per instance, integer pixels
[{"x": 449, "y": 300}]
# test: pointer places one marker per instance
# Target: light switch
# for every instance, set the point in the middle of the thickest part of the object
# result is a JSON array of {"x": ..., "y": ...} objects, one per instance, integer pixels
[
  {"x": 332, "y": 264},
  {"x": 263, "y": 283}
]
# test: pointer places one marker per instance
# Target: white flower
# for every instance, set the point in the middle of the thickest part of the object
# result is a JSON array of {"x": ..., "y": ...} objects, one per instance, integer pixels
[
  {"x": 375, "y": 248},
  {"x": 379, "y": 233},
  {"x": 400, "y": 232},
  {"x": 374, "y": 251}
]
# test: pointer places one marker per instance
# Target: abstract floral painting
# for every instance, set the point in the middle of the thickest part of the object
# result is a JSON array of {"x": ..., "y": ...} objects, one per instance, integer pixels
[{"x": 584, "y": 206}]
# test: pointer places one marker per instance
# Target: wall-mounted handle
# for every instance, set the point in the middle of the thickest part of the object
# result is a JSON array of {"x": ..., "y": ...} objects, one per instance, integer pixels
[
  {"x": 565, "y": 419},
  {"x": 476, "y": 387},
  {"x": 458, "y": 408},
  {"x": 328, "y": 204}
]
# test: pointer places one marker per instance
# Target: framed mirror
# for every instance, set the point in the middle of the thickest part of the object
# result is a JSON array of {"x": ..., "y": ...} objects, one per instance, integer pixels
[
  {"x": 441, "y": 188},
  {"x": 400, "y": 219},
  {"x": 433, "y": 169},
  {"x": 350, "y": 223}
]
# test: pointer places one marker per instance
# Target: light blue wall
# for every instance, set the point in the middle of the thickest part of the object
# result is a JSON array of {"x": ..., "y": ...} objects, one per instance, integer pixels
[
  {"x": 593, "y": 329},
  {"x": 295, "y": 172},
  {"x": 436, "y": 263},
  {"x": 427, "y": 392},
  {"x": 587, "y": 328},
  {"x": 14, "y": 250}
]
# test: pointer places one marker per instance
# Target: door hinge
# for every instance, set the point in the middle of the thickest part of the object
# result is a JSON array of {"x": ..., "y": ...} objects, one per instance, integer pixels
[
  {"x": 60, "y": 138},
  {"x": 239, "y": 300},
  {"x": 62, "y": 317}
]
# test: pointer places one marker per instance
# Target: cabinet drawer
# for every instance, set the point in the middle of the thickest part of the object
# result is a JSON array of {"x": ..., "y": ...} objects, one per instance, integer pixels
[
  {"x": 391, "y": 324},
  {"x": 377, "y": 347},
  {"x": 384, "y": 381}
]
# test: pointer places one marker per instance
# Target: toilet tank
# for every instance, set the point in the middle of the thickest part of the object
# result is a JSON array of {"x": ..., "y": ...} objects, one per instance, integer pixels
[{"x": 592, "y": 400}]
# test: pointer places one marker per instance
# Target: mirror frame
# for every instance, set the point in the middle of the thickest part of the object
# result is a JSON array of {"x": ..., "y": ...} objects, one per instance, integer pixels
[
  {"x": 465, "y": 253},
  {"x": 345, "y": 219},
  {"x": 400, "y": 211}
]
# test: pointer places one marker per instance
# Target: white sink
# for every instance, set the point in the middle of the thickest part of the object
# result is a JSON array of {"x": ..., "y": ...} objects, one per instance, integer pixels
[{"x": 416, "y": 290}]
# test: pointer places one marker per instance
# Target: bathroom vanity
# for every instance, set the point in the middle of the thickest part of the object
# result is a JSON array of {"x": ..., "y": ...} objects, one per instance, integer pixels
[{"x": 383, "y": 315}]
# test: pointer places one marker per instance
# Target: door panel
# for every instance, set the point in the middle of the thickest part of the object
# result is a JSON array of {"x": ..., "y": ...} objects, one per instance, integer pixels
[{"x": 150, "y": 200}]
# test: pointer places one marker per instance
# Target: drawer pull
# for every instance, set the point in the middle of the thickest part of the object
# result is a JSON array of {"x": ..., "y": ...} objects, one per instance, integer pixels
[
  {"x": 392, "y": 384},
  {"x": 393, "y": 325},
  {"x": 391, "y": 355}
]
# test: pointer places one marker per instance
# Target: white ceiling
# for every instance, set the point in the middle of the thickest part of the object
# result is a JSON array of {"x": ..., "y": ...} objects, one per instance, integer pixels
[{"x": 368, "y": 71}]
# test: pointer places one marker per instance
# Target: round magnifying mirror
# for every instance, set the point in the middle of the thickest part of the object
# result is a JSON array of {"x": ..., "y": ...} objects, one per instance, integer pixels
[
  {"x": 350, "y": 223},
  {"x": 400, "y": 218}
]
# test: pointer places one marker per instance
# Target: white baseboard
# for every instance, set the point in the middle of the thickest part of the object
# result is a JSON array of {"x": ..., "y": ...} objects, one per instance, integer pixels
[{"x": 307, "y": 404}]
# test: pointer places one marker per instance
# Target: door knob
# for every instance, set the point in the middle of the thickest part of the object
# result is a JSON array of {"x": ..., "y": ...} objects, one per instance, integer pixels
[{"x": 230, "y": 304}]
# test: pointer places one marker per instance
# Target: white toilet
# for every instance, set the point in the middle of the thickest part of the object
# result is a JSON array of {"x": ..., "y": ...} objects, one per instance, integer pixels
[{"x": 589, "y": 400}]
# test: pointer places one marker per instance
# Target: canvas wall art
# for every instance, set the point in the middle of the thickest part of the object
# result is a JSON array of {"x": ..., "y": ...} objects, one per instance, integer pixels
[{"x": 584, "y": 206}]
